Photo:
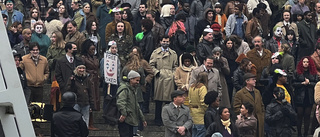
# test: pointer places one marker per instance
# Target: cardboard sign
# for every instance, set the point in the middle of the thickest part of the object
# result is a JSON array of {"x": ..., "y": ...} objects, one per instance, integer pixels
[{"x": 110, "y": 68}]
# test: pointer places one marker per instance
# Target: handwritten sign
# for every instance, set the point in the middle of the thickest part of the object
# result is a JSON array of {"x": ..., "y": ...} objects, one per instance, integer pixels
[{"x": 110, "y": 68}]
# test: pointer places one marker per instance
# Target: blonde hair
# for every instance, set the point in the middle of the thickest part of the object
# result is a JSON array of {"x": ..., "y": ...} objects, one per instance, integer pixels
[
  {"x": 75, "y": 71},
  {"x": 152, "y": 5},
  {"x": 165, "y": 11},
  {"x": 60, "y": 43}
]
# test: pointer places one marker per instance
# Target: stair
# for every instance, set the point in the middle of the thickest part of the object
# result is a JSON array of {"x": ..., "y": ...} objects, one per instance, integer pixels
[
  {"x": 112, "y": 131},
  {"x": 106, "y": 130}
]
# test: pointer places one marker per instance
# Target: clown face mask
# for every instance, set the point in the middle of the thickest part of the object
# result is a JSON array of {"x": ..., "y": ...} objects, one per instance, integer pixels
[
  {"x": 38, "y": 29},
  {"x": 278, "y": 32}
]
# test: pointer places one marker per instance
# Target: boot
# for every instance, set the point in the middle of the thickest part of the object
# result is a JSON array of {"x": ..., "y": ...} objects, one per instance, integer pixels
[{"x": 91, "y": 127}]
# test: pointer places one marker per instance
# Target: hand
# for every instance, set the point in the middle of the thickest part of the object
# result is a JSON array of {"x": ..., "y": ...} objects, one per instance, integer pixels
[
  {"x": 239, "y": 116},
  {"x": 181, "y": 130},
  {"x": 122, "y": 118},
  {"x": 145, "y": 124},
  {"x": 14, "y": 29},
  {"x": 183, "y": 133},
  {"x": 307, "y": 81},
  {"x": 185, "y": 88}
]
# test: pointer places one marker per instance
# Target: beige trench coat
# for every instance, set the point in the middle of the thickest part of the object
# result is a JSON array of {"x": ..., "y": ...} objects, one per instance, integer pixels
[{"x": 163, "y": 65}]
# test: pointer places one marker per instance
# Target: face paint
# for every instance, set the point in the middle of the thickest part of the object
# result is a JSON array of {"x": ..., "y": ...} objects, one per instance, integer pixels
[
  {"x": 278, "y": 32},
  {"x": 38, "y": 29}
]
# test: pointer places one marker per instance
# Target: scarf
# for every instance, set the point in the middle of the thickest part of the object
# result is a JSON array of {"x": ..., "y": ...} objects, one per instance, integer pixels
[
  {"x": 177, "y": 25},
  {"x": 226, "y": 124}
]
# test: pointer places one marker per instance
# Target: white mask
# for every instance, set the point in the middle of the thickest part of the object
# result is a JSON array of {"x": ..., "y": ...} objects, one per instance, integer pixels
[
  {"x": 39, "y": 29},
  {"x": 278, "y": 32}
]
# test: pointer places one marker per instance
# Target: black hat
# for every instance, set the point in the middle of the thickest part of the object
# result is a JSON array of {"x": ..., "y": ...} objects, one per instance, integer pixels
[
  {"x": 248, "y": 75},
  {"x": 176, "y": 93}
]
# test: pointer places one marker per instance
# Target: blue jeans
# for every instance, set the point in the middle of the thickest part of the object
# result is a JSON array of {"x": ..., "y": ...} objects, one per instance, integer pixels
[
  {"x": 84, "y": 111},
  {"x": 198, "y": 130}
]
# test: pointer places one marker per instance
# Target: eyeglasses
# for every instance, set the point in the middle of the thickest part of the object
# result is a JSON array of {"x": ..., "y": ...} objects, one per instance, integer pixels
[{"x": 35, "y": 50}]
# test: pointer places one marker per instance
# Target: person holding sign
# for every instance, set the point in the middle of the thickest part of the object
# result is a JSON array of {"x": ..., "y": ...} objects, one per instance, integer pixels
[{"x": 110, "y": 69}]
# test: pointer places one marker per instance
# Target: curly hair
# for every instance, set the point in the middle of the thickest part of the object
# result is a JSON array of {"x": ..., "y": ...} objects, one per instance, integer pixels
[
  {"x": 133, "y": 62},
  {"x": 312, "y": 67},
  {"x": 85, "y": 46},
  {"x": 210, "y": 97}
]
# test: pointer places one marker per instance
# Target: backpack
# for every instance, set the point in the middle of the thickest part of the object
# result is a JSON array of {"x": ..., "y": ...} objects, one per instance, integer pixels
[{"x": 111, "y": 114}]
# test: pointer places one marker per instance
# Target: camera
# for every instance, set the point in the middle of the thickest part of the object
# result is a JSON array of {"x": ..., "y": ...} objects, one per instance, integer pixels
[{"x": 40, "y": 112}]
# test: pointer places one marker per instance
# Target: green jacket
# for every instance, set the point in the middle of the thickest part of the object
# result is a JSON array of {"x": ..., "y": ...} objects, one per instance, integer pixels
[{"x": 128, "y": 105}]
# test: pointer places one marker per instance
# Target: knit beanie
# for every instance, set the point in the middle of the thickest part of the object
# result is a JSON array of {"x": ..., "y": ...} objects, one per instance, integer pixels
[{"x": 133, "y": 74}]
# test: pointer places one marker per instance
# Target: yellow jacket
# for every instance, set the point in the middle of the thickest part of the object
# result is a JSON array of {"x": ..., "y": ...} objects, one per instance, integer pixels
[{"x": 197, "y": 105}]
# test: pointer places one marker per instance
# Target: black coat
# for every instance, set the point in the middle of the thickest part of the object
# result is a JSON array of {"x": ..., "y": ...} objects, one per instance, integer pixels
[
  {"x": 210, "y": 116},
  {"x": 280, "y": 118},
  {"x": 307, "y": 39},
  {"x": 147, "y": 45},
  {"x": 68, "y": 122},
  {"x": 304, "y": 94},
  {"x": 267, "y": 95},
  {"x": 204, "y": 49},
  {"x": 179, "y": 42},
  {"x": 64, "y": 70},
  {"x": 238, "y": 80},
  {"x": 201, "y": 25},
  {"x": 166, "y": 21},
  {"x": 137, "y": 25},
  {"x": 218, "y": 127}
]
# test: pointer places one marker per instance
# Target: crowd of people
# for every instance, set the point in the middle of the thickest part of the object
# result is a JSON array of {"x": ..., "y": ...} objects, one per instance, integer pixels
[{"x": 227, "y": 68}]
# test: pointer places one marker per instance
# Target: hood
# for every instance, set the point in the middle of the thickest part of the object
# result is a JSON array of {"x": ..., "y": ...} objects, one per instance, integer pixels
[
  {"x": 193, "y": 65},
  {"x": 205, "y": 13}
]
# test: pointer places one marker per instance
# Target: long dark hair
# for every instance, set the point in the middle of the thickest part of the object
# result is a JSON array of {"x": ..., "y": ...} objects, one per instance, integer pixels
[
  {"x": 291, "y": 32},
  {"x": 220, "y": 127},
  {"x": 65, "y": 14},
  {"x": 229, "y": 53},
  {"x": 89, "y": 25},
  {"x": 129, "y": 15}
]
